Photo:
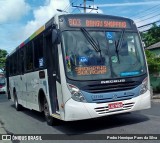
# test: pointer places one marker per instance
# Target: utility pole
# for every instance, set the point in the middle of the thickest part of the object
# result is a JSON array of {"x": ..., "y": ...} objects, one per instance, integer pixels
[{"x": 84, "y": 6}]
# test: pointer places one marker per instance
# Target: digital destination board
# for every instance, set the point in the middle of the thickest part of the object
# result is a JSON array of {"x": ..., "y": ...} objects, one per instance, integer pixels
[
  {"x": 98, "y": 22},
  {"x": 91, "y": 70}
]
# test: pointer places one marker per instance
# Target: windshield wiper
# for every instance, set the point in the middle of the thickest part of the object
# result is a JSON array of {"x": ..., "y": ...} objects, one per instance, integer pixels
[
  {"x": 119, "y": 44},
  {"x": 91, "y": 40}
]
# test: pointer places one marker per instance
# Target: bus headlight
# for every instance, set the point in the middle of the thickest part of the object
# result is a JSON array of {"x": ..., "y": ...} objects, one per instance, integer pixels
[
  {"x": 76, "y": 94},
  {"x": 144, "y": 86}
]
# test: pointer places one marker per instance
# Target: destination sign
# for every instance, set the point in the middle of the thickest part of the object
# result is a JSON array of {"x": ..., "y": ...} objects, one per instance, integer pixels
[
  {"x": 91, "y": 70},
  {"x": 96, "y": 22}
]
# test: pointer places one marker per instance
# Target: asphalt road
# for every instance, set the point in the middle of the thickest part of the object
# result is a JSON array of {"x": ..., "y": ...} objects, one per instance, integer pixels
[{"x": 32, "y": 122}]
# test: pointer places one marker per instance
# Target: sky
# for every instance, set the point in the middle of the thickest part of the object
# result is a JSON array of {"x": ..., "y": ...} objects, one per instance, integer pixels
[{"x": 20, "y": 18}]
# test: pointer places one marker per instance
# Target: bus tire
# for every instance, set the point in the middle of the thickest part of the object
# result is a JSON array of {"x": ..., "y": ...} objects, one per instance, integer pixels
[
  {"x": 16, "y": 104},
  {"x": 49, "y": 119}
]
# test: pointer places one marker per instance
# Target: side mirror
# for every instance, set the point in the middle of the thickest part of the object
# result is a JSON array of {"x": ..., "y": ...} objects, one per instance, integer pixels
[{"x": 56, "y": 36}]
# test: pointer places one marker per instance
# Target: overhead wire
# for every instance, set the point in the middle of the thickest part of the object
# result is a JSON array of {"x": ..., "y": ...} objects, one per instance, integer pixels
[
  {"x": 93, "y": 9},
  {"x": 149, "y": 29},
  {"x": 132, "y": 16},
  {"x": 148, "y": 18},
  {"x": 147, "y": 13},
  {"x": 149, "y": 24},
  {"x": 83, "y": 4},
  {"x": 69, "y": 5},
  {"x": 77, "y": 7}
]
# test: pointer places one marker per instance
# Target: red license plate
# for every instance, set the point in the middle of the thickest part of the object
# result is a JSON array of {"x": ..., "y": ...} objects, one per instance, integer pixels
[{"x": 115, "y": 105}]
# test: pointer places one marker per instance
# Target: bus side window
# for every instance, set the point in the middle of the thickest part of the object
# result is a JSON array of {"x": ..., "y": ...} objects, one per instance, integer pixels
[
  {"x": 38, "y": 53},
  {"x": 17, "y": 59},
  {"x": 21, "y": 60},
  {"x": 10, "y": 65},
  {"x": 15, "y": 63},
  {"x": 29, "y": 55}
]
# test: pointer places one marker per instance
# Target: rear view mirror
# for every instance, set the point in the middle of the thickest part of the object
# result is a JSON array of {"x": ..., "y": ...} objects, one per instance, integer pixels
[{"x": 56, "y": 36}]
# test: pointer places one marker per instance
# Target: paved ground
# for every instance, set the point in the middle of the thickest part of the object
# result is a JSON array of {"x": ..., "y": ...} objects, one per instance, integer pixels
[{"x": 31, "y": 122}]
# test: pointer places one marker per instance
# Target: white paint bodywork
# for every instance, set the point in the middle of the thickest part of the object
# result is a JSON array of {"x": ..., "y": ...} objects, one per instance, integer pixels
[
  {"x": 27, "y": 88},
  {"x": 79, "y": 111}
]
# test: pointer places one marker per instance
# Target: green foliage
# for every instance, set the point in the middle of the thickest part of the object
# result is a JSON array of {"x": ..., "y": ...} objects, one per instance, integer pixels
[
  {"x": 153, "y": 62},
  {"x": 152, "y": 36},
  {"x": 3, "y": 54}
]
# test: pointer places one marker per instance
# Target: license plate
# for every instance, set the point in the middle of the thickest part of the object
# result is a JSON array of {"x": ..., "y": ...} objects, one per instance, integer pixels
[{"x": 115, "y": 105}]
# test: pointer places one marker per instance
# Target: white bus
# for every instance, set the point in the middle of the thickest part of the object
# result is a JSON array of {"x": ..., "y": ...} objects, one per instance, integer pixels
[
  {"x": 2, "y": 83},
  {"x": 80, "y": 66}
]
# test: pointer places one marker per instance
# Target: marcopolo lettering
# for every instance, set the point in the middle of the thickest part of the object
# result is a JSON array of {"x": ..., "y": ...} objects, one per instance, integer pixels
[{"x": 113, "y": 81}]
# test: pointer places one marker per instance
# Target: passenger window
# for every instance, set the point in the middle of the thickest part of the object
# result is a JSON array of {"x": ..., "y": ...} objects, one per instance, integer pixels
[
  {"x": 29, "y": 55},
  {"x": 21, "y": 60},
  {"x": 11, "y": 65},
  {"x": 15, "y": 63},
  {"x": 38, "y": 53}
]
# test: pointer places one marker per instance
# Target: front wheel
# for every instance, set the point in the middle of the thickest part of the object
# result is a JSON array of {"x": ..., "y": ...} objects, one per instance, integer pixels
[{"x": 49, "y": 119}]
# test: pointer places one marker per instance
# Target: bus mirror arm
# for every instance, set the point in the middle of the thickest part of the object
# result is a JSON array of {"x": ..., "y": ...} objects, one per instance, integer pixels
[{"x": 56, "y": 36}]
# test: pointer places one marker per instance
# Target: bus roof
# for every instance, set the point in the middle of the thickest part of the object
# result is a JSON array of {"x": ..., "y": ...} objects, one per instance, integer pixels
[
  {"x": 37, "y": 32},
  {"x": 54, "y": 20}
]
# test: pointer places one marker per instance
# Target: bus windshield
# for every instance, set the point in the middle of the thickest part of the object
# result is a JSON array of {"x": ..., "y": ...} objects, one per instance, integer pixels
[{"x": 120, "y": 55}]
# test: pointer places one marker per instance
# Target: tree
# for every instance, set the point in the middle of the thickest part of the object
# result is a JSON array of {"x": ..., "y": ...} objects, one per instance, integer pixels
[
  {"x": 153, "y": 62},
  {"x": 152, "y": 36},
  {"x": 3, "y": 54}
]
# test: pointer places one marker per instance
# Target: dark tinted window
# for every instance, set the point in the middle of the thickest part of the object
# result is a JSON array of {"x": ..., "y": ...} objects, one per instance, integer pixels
[
  {"x": 29, "y": 57},
  {"x": 21, "y": 60},
  {"x": 15, "y": 63},
  {"x": 38, "y": 53},
  {"x": 11, "y": 65},
  {"x": 18, "y": 62}
]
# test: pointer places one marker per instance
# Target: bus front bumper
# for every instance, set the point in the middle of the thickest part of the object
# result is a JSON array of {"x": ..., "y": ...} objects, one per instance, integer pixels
[{"x": 79, "y": 111}]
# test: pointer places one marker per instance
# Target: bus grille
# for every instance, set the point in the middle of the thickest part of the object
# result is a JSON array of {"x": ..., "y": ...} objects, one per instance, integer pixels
[
  {"x": 102, "y": 88},
  {"x": 105, "y": 110}
]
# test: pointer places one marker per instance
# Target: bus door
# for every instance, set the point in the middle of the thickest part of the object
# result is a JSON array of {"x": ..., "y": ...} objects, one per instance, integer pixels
[
  {"x": 21, "y": 88},
  {"x": 51, "y": 56}
]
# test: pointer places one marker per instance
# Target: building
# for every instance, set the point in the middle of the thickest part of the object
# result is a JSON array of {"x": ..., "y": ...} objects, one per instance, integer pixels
[{"x": 155, "y": 48}]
